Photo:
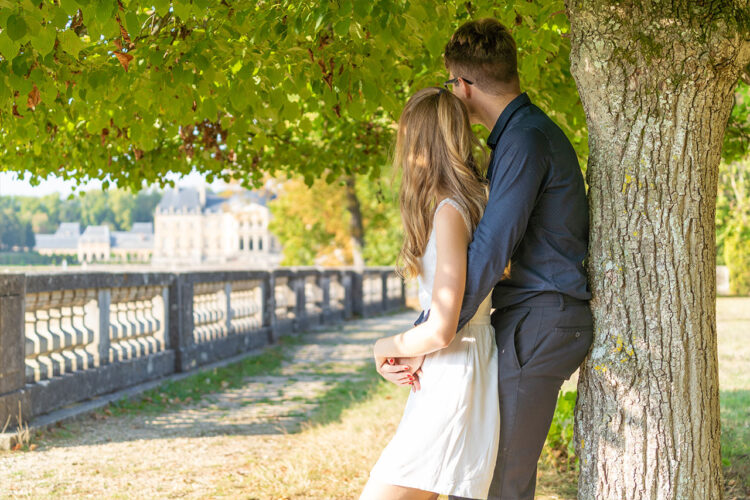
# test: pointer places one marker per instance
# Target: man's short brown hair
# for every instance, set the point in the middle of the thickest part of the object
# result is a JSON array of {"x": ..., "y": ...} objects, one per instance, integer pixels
[{"x": 484, "y": 52}]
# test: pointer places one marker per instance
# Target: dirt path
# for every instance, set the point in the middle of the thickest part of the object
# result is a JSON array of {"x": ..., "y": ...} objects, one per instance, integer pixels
[{"x": 204, "y": 449}]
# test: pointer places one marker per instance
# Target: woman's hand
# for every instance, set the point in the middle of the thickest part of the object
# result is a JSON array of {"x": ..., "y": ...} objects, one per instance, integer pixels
[
  {"x": 414, "y": 363},
  {"x": 415, "y": 367},
  {"x": 396, "y": 373},
  {"x": 401, "y": 371}
]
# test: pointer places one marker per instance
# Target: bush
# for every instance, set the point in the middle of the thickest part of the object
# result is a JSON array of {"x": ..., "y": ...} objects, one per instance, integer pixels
[
  {"x": 737, "y": 258},
  {"x": 559, "y": 449}
]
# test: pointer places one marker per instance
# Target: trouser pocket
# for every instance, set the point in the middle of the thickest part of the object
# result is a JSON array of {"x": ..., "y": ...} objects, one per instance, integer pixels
[
  {"x": 513, "y": 334},
  {"x": 564, "y": 342}
]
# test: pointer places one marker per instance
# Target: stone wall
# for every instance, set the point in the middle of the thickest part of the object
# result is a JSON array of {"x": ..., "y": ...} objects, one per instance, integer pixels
[{"x": 68, "y": 337}]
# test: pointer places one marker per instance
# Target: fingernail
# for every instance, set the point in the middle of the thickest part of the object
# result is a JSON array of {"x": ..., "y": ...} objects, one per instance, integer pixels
[{"x": 391, "y": 361}]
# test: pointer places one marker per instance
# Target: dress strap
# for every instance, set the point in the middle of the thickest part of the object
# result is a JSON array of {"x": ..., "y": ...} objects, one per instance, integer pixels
[{"x": 457, "y": 206}]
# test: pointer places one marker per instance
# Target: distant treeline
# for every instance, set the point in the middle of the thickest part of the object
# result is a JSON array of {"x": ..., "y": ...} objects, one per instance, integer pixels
[
  {"x": 22, "y": 216},
  {"x": 34, "y": 259}
]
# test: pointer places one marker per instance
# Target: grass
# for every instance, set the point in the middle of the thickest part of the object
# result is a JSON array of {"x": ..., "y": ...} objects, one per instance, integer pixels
[
  {"x": 733, "y": 324},
  {"x": 195, "y": 387}
]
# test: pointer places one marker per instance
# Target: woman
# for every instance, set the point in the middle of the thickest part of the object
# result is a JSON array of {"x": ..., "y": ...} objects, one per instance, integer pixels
[{"x": 447, "y": 440}]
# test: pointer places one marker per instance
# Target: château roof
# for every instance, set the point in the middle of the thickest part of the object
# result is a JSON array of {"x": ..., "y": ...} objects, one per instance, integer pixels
[
  {"x": 188, "y": 200},
  {"x": 96, "y": 234}
]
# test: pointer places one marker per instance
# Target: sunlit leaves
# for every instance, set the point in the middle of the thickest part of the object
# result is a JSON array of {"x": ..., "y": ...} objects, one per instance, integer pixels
[{"x": 295, "y": 86}]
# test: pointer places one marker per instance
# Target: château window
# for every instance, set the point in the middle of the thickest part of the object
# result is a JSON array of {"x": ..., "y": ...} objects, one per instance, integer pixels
[
  {"x": 260, "y": 243},
  {"x": 242, "y": 244}
]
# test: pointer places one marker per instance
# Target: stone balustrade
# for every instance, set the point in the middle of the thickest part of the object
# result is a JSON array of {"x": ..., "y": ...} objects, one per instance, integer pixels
[{"x": 68, "y": 337}]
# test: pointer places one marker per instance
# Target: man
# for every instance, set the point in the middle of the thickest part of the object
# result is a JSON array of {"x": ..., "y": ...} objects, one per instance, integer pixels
[{"x": 537, "y": 219}]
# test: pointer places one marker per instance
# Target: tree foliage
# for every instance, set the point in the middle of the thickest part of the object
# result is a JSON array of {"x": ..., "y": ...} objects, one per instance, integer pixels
[
  {"x": 128, "y": 90},
  {"x": 733, "y": 223},
  {"x": 313, "y": 223},
  {"x": 22, "y": 216}
]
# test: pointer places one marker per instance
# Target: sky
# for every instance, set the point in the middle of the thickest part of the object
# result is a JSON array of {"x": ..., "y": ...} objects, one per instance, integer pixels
[{"x": 11, "y": 184}]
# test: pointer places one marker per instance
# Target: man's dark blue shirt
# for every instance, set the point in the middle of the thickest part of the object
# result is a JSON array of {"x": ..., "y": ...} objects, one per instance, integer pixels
[{"x": 536, "y": 216}]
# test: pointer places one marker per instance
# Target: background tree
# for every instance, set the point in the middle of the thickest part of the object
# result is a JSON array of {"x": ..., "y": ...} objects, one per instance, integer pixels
[
  {"x": 121, "y": 203},
  {"x": 314, "y": 223},
  {"x": 145, "y": 205},
  {"x": 117, "y": 208},
  {"x": 733, "y": 223}
]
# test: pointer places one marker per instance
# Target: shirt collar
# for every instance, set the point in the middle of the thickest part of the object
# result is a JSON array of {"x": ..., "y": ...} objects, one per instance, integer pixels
[{"x": 502, "y": 120}]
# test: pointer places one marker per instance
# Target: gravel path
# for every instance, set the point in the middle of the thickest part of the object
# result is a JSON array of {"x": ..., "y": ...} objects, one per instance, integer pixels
[{"x": 186, "y": 452}]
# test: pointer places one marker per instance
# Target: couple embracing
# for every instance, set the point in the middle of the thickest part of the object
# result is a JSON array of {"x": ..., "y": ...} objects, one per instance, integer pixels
[{"x": 510, "y": 235}]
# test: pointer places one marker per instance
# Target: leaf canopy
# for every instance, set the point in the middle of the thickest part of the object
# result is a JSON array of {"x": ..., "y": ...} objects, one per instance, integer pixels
[{"x": 127, "y": 91}]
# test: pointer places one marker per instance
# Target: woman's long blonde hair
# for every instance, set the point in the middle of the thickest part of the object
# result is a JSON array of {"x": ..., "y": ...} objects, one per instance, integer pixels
[{"x": 435, "y": 153}]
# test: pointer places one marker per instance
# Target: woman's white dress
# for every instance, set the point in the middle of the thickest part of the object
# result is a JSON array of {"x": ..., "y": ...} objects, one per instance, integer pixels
[{"x": 447, "y": 439}]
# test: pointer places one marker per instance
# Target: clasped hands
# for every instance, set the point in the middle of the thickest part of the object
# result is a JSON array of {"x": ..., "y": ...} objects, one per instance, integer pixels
[{"x": 400, "y": 371}]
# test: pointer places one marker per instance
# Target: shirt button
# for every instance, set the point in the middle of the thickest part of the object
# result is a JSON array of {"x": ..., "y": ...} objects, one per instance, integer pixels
[{"x": 578, "y": 334}]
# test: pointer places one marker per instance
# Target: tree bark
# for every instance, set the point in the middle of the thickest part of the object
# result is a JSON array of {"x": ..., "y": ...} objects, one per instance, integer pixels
[
  {"x": 656, "y": 80},
  {"x": 356, "y": 227}
]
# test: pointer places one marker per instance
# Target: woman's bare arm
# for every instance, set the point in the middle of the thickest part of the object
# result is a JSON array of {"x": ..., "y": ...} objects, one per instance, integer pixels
[{"x": 452, "y": 240}]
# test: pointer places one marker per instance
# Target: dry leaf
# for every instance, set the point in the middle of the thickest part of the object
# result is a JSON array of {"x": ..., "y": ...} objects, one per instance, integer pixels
[
  {"x": 32, "y": 447},
  {"x": 35, "y": 97},
  {"x": 124, "y": 59},
  {"x": 17, "y": 447}
]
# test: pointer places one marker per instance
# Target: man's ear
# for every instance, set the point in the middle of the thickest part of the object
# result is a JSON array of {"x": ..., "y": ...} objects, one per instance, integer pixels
[{"x": 466, "y": 88}]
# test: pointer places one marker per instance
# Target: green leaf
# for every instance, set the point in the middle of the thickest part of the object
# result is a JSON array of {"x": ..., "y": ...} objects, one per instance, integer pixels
[
  {"x": 44, "y": 41},
  {"x": 19, "y": 83},
  {"x": 8, "y": 47},
  {"x": 71, "y": 43},
  {"x": 182, "y": 10},
  {"x": 200, "y": 61},
  {"x": 362, "y": 9},
  {"x": 369, "y": 89},
  {"x": 342, "y": 27},
  {"x": 16, "y": 27},
  {"x": 59, "y": 18},
  {"x": 104, "y": 10},
  {"x": 48, "y": 91},
  {"x": 132, "y": 24},
  {"x": 161, "y": 6},
  {"x": 69, "y": 6},
  {"x": 436, "y": 43}
]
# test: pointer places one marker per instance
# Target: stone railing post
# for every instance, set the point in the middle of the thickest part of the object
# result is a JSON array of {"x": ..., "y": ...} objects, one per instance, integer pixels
[
  {"x": 324, "y": 281},
  {"x": 346, "y": 282},
  {"x": 103, "y": 302},
  {"x": 228, "y": 306},
  {"x": 164, "y": 312},
  {"x": 300, "y": 313},
  {"x": 181, "y": 320},
  {"x": 357, "y": 289},
  {"x": 385, "y": 299},
  {"x": 268, "y": 303},
  {"x": 12, "y": 349}
]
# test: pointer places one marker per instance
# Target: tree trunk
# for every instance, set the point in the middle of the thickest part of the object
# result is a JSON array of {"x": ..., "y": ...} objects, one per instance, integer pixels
[
  {"x": 656, "y": 80},
  {"x": 356, "y": 227}
]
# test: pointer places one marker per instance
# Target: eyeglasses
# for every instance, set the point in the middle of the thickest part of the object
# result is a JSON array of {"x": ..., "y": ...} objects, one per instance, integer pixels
[{"x": 454, "y": 81}]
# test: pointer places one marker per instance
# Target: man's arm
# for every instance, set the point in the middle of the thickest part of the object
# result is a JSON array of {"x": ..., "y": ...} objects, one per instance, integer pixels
[{"x": 518, "y": 174}]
